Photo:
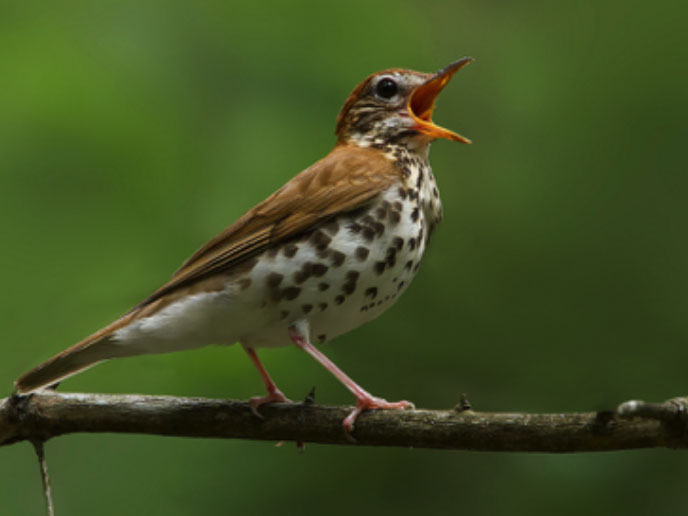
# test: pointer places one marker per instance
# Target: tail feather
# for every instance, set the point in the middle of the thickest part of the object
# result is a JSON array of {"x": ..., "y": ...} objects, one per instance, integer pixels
[
  {"x": 82, "y": 355},
  {"x": 69, "y": 362}
]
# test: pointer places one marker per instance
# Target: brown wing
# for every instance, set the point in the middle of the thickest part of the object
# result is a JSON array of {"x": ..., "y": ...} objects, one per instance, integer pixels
[{"x": 344, "y": 180}]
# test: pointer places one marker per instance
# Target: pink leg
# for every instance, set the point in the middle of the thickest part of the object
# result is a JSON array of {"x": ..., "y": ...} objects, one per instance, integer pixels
[
  {"x": 274, "y": 395},
  {"x": 364, "y": 400}
]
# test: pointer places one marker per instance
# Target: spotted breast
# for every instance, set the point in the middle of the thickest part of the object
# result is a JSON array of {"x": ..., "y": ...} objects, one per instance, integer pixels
[{"x": 350, "y": 269}]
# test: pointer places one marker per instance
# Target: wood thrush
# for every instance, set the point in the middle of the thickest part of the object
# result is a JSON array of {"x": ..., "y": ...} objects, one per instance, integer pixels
[{"x": 330, "y": 250}]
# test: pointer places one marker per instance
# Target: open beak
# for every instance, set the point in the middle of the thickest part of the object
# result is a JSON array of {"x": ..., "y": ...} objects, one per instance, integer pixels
[{"x": 422, "y": 102}]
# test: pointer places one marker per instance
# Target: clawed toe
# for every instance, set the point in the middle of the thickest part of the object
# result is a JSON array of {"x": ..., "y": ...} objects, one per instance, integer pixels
[
  {"x": 369, "y": 403},
  {"x": 275, "y": 396}
]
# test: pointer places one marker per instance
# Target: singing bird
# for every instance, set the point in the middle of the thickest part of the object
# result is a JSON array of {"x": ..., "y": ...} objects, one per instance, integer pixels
[{"x": 330, "y": 250}]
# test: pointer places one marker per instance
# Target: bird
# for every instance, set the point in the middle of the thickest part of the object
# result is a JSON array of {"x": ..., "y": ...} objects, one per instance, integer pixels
[{"x": 327, "y": 252}]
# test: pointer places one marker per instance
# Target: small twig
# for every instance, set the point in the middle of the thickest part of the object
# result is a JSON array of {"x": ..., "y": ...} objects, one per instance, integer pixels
[
  {"x": 310, "y": 397},
  {"x": 43, "y": 464},
  {"x": 463, "y": 404}
]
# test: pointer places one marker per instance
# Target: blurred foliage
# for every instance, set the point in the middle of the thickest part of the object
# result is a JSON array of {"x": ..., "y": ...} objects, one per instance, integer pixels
[{"x": 131, "y": 132}]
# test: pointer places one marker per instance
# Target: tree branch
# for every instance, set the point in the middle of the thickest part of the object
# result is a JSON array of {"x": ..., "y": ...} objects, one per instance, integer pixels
[{"x": 634, "y": 424}]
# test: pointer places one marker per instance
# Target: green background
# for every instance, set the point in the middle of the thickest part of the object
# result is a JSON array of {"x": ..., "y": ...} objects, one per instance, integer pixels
[{"x": 131, "y": 132}]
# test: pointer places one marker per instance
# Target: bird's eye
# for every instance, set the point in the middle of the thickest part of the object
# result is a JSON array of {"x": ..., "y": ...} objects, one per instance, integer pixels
[{"x": 386, "y": 88}]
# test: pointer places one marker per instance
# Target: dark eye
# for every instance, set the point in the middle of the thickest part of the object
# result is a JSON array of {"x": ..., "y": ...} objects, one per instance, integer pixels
[{"x": 386, "y": 88}]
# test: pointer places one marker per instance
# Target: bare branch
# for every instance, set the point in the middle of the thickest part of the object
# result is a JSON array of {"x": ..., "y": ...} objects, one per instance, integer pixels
[{"x": 634, "y": 425}]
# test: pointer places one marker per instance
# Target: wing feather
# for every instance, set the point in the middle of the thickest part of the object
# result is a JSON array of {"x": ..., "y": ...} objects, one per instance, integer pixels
[{"x": 344, "y": 180}]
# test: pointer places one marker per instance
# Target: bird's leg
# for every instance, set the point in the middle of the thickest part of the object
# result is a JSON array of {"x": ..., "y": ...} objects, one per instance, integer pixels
[
  {"x": 274, "y": 395},
  {"x": 364, "y": 400}
]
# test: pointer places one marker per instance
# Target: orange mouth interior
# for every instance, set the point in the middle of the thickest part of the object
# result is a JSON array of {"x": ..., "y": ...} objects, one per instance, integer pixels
[{"x": 422, "y": 103}]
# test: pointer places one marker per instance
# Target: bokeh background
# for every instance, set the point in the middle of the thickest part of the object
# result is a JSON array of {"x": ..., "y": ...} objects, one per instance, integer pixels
[{"x": 132, "y": 131}]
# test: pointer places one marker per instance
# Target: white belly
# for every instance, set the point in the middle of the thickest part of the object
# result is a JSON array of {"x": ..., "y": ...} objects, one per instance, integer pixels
[{"x": 336, "y": 289}]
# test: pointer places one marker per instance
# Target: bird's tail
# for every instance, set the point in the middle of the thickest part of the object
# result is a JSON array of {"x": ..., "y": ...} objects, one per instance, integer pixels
[
  {"x": 82, "y": 355},
  {"x": 71, "y": 361}
]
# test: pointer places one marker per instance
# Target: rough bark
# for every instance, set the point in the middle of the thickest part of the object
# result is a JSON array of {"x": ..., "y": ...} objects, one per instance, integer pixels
[{"x": 634, "y": 424}]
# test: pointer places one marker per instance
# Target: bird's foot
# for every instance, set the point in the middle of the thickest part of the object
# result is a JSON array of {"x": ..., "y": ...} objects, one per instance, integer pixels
[
  {"x": 274, "y": 396},
  {"x": 368, "y": 402}
]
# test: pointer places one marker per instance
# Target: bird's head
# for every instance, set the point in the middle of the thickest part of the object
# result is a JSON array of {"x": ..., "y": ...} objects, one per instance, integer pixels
[{"x": 395, "y": 106}]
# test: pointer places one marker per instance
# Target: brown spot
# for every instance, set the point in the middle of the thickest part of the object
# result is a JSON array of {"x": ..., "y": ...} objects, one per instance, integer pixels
[
  {"x": 304, "y": 273},
  {"x": 337, "y": 258},
  {"x": 291, "y": 293},
  {"x": 415, "y": 214},
  {"x": 415, "y": 268},
  {"x": 362, "y": 253},
  {"x": 339, "y": 300},
  {"x": 398, "y": 242},
  {"x": 306, "y": 308},
  {"x": 319, "y": 269},
  {"x": 402, "y": 192},
  {"x": 364, "y": 309},
  {"x": 244, "y": 283},
  {"x": 272, "y": 252},
  {"x": 322, "y": 306},
  {"x": 412, "y": 243},
  {"x": 283, "y": 315},
  {"x": 323, "y": 286},
  {"x": 380, "y": 267},
  {"x": 349, "y": 287},
  {"x": 290, "y": 250},
  {"x": 320, "y": 240},
  {"x": 368, "y": 233},
  {"x": 380, "y": 213},
  {"x": 391, "y": 257},
  {"x": 408, "y": 265},
  {"x": 368, "y": 220},
  {"x": 274, "y": 279},
  {"x": 419, "y": 181},
  {"x": 398, "y": 206},
  {"x": 276, "y": 295},
  {"x": 405, "y": 172},
  {"x": 322, "y": 338},
  {"x": 401, "y": 285},
  {"x": 435, "y": 193},
  {"x": 413, "y": 194},
  {"x": 372, "y": 292},
  {"x": 394, "y": 217},
  {"x": 332, "y": 227},
  {"x": 355, "y": 227}
]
